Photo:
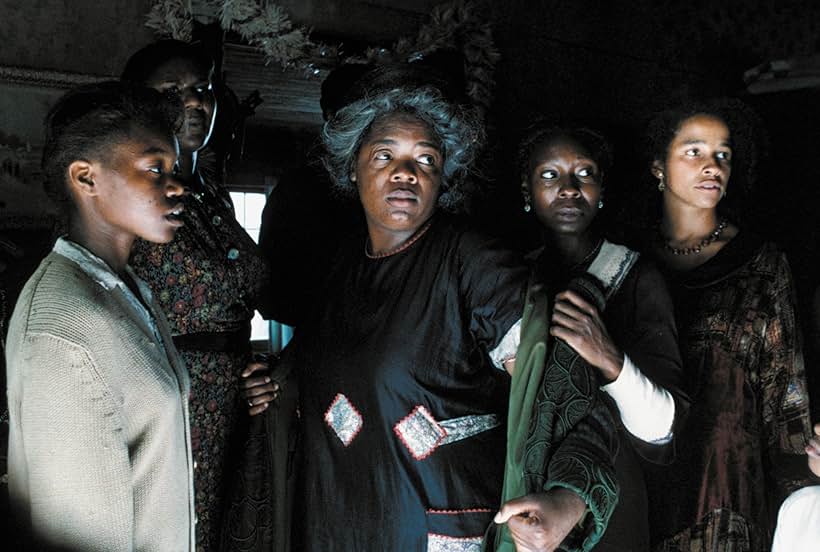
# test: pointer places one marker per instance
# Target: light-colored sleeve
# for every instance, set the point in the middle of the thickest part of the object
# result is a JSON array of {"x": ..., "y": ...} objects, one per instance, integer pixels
[
  {"x": 507, "y": 348},
  {"x": 69, "y": 466},
  {"x": 647, "y": 410},
  {"x": 798, "y": 522}
]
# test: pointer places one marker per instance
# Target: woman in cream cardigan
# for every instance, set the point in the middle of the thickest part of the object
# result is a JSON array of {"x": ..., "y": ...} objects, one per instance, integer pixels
[{"x": 99, "y": 445}]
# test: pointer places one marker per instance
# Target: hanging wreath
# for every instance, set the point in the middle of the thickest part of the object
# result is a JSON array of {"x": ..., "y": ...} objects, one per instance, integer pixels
[
  {"x": 455, "y": 26},
  {"x": 264, "y": 25},
  {"x": 171, "y": 19}
]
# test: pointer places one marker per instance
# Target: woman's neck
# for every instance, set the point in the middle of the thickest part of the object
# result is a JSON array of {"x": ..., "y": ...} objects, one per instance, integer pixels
[
  {"x": 384, "y": 242},
  {"x": 683, "y": 226},
  {"x": 571, "y": 249},
  {"x": 689, "y": 237},
  {"x": 114, "y": 250}
]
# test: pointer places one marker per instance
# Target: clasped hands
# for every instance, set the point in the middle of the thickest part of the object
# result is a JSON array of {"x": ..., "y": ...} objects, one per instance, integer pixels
[
  {"x": 257, "y": 387},
  {"x": 578, "y": 323}
]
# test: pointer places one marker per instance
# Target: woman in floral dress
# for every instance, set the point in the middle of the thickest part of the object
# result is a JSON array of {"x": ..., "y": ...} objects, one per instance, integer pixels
[{"x": 207, "y": 280}]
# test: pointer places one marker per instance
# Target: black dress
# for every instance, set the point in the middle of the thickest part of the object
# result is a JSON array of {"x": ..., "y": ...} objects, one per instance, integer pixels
[
  {"x": 401, "y": 409},
  {"x": 640, "y": 320}
]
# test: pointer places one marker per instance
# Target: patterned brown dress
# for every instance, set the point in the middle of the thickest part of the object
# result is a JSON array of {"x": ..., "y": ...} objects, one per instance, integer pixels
[
  {"x": 207, "y": 281},
  {"x": 741, "y": 450}
]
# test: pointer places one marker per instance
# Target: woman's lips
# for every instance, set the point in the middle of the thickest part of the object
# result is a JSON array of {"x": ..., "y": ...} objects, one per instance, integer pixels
[
  {"x": 175, "y": 216},
  {"x": 402, "y": 198},
  {"x": 569, "y": 213},
  {"x": 710, "y": 185}
]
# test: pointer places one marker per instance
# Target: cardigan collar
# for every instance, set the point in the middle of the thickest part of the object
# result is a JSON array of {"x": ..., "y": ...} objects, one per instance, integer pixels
[{"x": 99, "y": 271}]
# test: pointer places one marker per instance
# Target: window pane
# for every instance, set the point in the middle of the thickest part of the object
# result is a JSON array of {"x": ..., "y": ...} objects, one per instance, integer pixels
[
  {"x": 259, "y": 328},
  {"x": 254, "y": 203},
  {"x": 239, "y": 206},
  {"x": 248, "y": 207}
]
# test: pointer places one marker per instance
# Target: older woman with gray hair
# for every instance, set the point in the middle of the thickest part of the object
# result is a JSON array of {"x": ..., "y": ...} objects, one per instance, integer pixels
[
  {"x": 402, "y": 356},
  {"x": 401, "y": 406}
]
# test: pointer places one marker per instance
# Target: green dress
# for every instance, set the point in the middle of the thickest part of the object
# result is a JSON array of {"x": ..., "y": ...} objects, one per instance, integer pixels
[{"x": 560, "y": 434}]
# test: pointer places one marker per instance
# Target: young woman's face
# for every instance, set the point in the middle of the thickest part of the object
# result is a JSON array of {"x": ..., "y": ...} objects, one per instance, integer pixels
[
  {"x": 398, "y": 174},
  {"x": 192, "y": 83},
  {"x": 698, "y": 163},
  {"x": 137, "y": 193},
  {"x": 565, "y": 185}
]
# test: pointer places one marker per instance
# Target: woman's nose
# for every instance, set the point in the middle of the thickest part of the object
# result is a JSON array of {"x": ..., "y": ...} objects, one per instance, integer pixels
[
  {"x": 190, "y": 97},
  {"x": 712, "y": 166},
  {"x": 174, "y": 186},
  {"x": 405, "y": 171},
  {"x": 569, "y": 187}
]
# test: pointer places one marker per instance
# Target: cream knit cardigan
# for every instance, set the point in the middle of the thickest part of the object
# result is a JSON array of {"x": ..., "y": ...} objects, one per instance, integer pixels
[{"x": 99, "y": 439}]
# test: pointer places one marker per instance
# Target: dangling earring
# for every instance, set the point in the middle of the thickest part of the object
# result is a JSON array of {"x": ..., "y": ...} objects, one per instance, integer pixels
[
  {"x": 600, "y": 204},
  {"x": 525, "y": 193},
  {"x": 661, "y": 185}
]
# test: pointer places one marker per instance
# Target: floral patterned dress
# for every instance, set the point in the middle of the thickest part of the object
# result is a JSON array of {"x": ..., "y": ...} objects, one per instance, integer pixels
[{"x": 208, "y": 280}]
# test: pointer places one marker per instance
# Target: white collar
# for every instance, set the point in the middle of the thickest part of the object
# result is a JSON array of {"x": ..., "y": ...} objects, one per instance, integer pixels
[{"x": 104, "y": 275}]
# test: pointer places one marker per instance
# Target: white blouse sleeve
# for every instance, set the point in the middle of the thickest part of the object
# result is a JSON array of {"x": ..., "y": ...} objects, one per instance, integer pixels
[
  {"x": 508, "y": 346},
  {"x": 647, "y": 410}
]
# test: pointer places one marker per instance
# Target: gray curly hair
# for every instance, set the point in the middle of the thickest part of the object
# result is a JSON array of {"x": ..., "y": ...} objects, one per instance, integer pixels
[{"x": 455, "y": 129}]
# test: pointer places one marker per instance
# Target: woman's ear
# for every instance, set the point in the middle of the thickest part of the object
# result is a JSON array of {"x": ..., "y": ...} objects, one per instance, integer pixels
[
  {"x": 81, "y": 177},
  {"x": 656, "y": 169}
]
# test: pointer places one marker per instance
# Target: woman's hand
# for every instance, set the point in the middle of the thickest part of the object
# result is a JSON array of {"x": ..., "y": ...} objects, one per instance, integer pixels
[
  {"x": 258, "y": 390},
  {"x": 578, "y": 322},
  {"x": 539, "y": 522},
  {"x": 813, "y": 450}
]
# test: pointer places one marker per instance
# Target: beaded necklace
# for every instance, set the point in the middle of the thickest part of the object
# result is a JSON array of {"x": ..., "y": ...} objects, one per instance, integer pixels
[
  {"x": 399, "y": 248},
  {"x": 714, "y": 235}
]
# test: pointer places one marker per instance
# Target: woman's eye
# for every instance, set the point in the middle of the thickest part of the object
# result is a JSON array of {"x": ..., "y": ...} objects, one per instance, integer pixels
[
  {"x": 156, "y": 169},
  {"x": 693, "y": 152},
  {"x": 585, "y": 172},
  {"x": 549, "y": 175},
  {"x": 427, "y": 159},
  {"x": 382, "y": 155},
  {"x": 723, "y": 155}
]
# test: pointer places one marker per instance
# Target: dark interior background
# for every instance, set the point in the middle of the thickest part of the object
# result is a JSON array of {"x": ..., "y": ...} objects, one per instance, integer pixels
[{"x": 609, "y": 64}]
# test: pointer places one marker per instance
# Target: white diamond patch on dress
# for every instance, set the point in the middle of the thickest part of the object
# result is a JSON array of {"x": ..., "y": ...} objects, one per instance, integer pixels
[
  {"x": 443, "y": 543},
  {"x": 420, "y": 432},
  {"x": 344, "y": 419},
  {"x": 467, "y": 426}
]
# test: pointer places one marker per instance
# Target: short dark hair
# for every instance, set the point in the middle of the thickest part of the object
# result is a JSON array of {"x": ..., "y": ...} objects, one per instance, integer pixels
[
  {"x": 89, "y": 120},
  {"x": 596, "y": 144},
  {"x": 454, "y": 128},
  {"x": 746, "y": 136},
  {"x": 142, "y": 64}
]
